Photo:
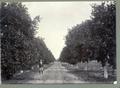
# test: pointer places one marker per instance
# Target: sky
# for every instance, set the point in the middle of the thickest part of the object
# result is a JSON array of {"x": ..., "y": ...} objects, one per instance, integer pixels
[{"x": 57, "y": 18}]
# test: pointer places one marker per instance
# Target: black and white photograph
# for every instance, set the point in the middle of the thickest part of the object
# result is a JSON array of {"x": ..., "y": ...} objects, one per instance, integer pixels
[{"x": 58, "y": 42}]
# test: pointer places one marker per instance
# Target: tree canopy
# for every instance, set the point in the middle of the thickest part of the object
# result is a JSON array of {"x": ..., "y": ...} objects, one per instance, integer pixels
[
  {"x": 93, "y": 39},
  {"x": 20, "y": 50}
]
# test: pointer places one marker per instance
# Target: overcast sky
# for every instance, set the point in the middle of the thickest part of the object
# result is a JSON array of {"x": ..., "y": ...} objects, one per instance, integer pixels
[{"x": 57, "y": 18}]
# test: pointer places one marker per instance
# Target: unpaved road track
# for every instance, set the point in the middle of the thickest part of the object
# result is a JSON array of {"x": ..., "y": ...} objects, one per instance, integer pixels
[{"x": 56, "y": 73}]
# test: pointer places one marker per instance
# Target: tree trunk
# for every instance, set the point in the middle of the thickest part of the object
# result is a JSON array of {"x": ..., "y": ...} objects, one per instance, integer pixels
[
  {"x": 86, "y": 66},
  {"x": 105, "y": 71}
]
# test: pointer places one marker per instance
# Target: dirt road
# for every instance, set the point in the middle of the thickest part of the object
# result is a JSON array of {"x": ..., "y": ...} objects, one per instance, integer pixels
[{"x": 56, "y": 73}]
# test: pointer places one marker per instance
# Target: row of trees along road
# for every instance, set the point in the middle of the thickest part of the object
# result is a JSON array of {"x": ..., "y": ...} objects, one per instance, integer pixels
[
  {"x": 93, "y": 39},
  {"x": 20, "y": 49}
]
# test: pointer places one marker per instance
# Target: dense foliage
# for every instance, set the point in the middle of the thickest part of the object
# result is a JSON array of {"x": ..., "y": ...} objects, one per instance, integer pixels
[
  {"x": 20, "y": 50},
  {"x": 94, "y": 39}
]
